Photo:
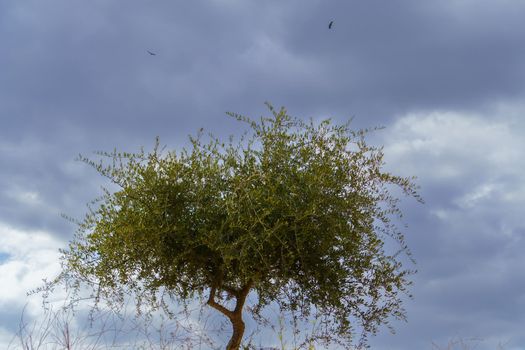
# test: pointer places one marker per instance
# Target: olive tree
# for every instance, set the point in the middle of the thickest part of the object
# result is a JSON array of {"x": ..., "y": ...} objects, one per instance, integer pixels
[{"x": 295, "y": 212}]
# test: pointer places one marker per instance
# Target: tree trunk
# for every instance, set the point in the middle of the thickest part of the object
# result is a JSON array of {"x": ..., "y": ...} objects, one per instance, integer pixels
[
  {"x": 234, "y": 316},
  {"x": 238, "y": 332}
]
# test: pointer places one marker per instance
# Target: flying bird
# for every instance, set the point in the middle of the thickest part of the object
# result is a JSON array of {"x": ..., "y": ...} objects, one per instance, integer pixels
[
  {"x": 330, "y": 24},
  {"x": 151, "y": 53}
]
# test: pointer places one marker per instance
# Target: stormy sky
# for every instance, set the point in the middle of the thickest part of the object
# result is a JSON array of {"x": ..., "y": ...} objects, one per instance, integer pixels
[{"x": 446, "y": 78}]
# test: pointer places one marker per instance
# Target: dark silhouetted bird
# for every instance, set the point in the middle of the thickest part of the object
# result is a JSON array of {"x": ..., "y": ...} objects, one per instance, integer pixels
[
  {"x": 330, "y": 24},
  {"x": 151, "y": 53}
]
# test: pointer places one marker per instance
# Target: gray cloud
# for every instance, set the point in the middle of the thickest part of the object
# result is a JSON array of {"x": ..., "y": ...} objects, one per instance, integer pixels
[{"x": 468, "y": 237}]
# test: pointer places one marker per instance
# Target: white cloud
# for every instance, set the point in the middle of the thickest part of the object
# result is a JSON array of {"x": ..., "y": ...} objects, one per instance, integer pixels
[
  {"x": 452, "y": 139},
  {"x": 25, "y": 197},
  {"x": 481, "y": 158},
  {"x": 470, "y": 199},
  {"x": 31, "y": 257}
]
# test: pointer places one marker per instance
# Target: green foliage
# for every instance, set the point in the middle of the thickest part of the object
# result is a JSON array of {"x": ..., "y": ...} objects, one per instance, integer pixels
[{"x": 297, "y": 212}]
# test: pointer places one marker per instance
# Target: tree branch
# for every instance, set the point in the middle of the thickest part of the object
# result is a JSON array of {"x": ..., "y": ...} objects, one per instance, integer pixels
[
  {"x": 217, "y": 306},
  {"x": 241, "y": 298}
]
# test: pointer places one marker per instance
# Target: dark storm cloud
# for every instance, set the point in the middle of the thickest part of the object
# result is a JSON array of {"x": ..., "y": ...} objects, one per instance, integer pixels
[
  {"x": 87, "y": 64},
  {"x": 79, "y": 78},
  {"x": 39, "y": 183},
  {"x": 389, "y": 57}
]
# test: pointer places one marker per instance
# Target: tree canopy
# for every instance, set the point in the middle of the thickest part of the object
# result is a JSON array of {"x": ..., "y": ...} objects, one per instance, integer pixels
[{"x": 296, "y": 212}]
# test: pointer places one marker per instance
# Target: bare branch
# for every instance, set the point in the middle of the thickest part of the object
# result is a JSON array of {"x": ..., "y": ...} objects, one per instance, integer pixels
[{"x": 211, "y": 301}]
